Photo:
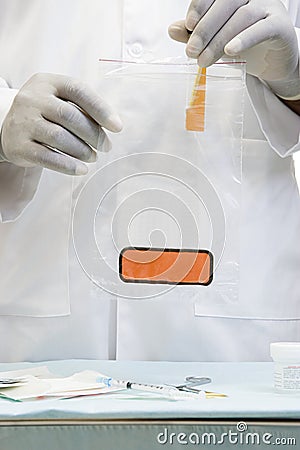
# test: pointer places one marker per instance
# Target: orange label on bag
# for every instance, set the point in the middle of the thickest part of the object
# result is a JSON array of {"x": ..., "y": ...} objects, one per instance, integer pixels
[{"x": 166, "y": 266}]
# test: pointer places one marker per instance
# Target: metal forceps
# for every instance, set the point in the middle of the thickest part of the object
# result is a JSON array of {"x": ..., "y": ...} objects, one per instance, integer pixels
[{"x": 192, "y": 382}]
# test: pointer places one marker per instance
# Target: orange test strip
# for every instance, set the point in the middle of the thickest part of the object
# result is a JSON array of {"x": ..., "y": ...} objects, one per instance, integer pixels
[
  {"x": 195, "y": 113},
  {"x": 166, "y": 266}
]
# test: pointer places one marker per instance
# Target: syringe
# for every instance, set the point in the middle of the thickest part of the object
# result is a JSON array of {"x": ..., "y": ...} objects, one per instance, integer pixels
[{"x": 160, "y": 389}]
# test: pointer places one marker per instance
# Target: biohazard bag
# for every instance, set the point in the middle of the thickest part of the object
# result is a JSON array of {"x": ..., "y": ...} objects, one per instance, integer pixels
[{"x": 162, "y": 208}]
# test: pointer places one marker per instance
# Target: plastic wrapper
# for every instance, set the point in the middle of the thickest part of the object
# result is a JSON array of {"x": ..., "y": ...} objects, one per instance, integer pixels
[{"x": 162, "y": 208}]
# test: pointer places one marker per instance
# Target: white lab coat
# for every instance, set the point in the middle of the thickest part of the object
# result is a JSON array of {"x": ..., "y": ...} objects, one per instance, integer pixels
[{"x": 49, "y": 309}]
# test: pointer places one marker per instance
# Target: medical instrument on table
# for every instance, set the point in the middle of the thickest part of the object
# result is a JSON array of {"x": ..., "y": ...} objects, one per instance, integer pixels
[
  {"x": 163, "y": 390},
  {"x": 10, "y": 381},
  {"x": 192, "y": 382}
]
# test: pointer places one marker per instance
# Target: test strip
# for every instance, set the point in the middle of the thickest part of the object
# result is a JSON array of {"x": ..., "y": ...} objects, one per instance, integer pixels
[
  {"x": 195, "y": 113},
  {"x": 165, "y": 266}
]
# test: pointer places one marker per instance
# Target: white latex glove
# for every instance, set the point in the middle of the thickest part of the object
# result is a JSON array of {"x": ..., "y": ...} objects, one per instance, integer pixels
[
  {"x": 259, "y": 31},
  {"x": 54, "y": 122}
]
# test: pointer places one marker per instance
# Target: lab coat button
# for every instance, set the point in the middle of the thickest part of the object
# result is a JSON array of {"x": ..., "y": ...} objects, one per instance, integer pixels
[{"x": 136, "y": 49}]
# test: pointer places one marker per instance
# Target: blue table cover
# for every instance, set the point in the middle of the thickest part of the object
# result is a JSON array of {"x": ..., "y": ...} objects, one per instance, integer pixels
[{"x": 249, "y": 387}]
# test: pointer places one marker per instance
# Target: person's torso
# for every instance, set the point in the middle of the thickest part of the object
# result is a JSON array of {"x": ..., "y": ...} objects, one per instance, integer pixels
[{"x": 69, "y": 38}]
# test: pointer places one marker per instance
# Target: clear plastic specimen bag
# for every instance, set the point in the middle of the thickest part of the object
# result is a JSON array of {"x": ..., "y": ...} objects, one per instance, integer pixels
[{"x": 161, "y": 210}]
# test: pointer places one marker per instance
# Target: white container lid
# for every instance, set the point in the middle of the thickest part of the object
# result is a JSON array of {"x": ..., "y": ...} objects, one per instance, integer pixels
[{"x": 285, "y": 351}]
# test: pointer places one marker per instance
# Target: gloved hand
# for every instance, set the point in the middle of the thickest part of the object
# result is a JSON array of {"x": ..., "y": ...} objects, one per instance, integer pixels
[
  {"x": 56, "y": 112},
  {"x": 259, "y": 31}
]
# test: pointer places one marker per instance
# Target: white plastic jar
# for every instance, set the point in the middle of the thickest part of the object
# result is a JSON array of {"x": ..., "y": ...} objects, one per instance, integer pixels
[{"x": 286, "y": 356}]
